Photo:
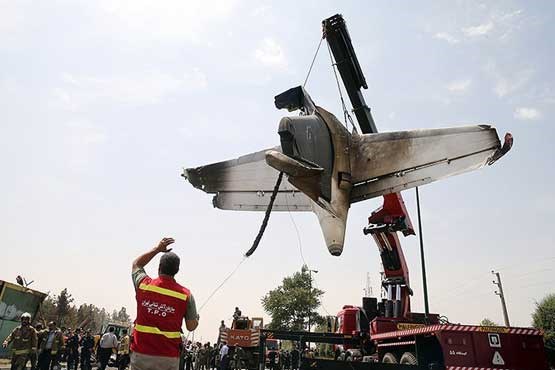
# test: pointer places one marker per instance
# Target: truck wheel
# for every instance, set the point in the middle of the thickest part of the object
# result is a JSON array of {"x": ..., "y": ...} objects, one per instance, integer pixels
[
  {"x": 408, "y": 358},
  {"x": 389, "y": 358}
]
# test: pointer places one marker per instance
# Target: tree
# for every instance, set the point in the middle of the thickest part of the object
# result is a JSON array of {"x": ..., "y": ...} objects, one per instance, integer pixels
[
  {"x": 292, "y": 303},
  {"x": 47, "y": 311},
  {"x": 63, "y": 306},
  {"x": 544, "y": 318},
  {"x": 123, "y": 315},
  {"x": 87, "y": 316},
  {"x": 487, "y": 322}
]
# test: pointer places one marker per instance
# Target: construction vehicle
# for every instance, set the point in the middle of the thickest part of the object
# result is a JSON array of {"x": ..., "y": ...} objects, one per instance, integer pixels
[
  {"x": 244, "y": 333},
  {"x": 390, "y": 331}
]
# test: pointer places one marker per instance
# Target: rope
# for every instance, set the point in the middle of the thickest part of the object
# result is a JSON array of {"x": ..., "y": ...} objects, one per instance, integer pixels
[
  {"x": 223, "y": 282},
  {"x": 296, "y": 229},
  {"x": 254, "y": 244},
  {"x": 266, "y": 217},
  {"x": 313, "y": 60},
  {"x": 346, "y": 114}
]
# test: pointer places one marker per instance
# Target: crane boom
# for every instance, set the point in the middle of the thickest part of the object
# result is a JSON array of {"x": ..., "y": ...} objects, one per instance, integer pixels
[
  {"x": 392, "y": 216},
  {"x": 335, "y": 32}
]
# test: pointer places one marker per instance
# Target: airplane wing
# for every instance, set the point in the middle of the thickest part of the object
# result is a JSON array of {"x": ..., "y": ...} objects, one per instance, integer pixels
[
  {"x": 246, "y": 184},
  {"x": 390, "y": 162}
]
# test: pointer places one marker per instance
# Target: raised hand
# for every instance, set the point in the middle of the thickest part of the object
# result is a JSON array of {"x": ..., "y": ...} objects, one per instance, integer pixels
[{"x": 163, "y": 245}]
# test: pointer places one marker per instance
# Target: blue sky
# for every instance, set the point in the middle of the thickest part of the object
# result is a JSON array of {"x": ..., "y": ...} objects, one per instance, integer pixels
[{"x": 103, "y": 103}]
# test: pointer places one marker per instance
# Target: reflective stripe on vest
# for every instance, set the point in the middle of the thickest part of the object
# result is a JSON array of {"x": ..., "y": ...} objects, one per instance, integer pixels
[
  {"x": 21, "y": 351},
  {"x": 163, "y": 291},
  {"x": 155, "y": 330}
]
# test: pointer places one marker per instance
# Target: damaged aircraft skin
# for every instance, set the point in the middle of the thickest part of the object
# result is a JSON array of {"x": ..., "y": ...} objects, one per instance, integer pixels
[{"x": 328, "y": 168}]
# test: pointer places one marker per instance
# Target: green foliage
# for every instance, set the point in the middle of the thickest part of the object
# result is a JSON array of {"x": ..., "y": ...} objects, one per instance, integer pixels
[
  {"x": 63, "y": 306},
  {"x": 487, "y": 322},
  {"x": 292, "y": 303},
  {"x": 123, "y": 315},
  {"x": 544, "y": 318}
]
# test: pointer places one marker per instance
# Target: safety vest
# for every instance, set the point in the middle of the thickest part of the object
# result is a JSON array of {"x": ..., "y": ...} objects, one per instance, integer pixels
[{"x": 161, "y": 307}]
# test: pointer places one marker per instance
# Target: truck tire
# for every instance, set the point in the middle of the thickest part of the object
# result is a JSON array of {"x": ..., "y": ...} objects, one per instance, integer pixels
[
  {"x": 408, "y": 358},
  {"x": 389, "y": 358}
]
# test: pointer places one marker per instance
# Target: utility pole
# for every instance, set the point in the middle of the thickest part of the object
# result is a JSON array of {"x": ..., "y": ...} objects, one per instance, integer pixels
[
  {"x": 310, "y": 277},
  {"x": 422, "y": 260},
  {"x": 501, "y": 296}
]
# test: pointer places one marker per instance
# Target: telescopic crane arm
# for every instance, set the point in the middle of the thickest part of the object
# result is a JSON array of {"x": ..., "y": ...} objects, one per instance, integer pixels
[
  {"x": 392, "y": 216},
  {"x": 335, "y": 32}
]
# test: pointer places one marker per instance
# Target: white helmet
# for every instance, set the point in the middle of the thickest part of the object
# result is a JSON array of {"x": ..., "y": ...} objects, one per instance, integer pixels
[{"x": 26, "y": 315}]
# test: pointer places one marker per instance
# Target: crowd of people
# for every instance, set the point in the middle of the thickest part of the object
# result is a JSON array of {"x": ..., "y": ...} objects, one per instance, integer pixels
[
  {"x": 157, "y": 338},
  {"x": 198, "y": 356},
  {"x": 46, "y": 349}
]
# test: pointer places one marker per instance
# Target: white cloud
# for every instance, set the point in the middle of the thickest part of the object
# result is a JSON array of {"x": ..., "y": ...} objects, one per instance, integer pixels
[
  {"x": 446, "y": 37},
  {"x": 480, "y": 30},
  {"x": 459, "y": 86},
  {"x": 498, "y": 24},
  {"x": 79, "y": 91},
  {"x": 170, "y": 20},
  {"x": 510, "y": 22},
  {"x": 527, "y": 113},
  {"x": 505, "y": 86},
  {"x": 508, "y": 82},
  {"x": 270, "y": 53}
]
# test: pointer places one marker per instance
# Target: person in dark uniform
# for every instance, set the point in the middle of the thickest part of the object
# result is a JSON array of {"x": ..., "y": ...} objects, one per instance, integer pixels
[
  {"x": 236, "y": 313},
  {"x": 272, "y": 359},
  {"x": 72, "y": 349},
  {"x": 295, "y": 354},
  {"x": 87, "y": 344}
]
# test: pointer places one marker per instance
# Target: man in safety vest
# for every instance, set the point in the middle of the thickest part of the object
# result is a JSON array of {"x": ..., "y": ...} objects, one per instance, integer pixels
[
  {"x": 24, "y": 342},
  {"x": 162, "y": 304}
]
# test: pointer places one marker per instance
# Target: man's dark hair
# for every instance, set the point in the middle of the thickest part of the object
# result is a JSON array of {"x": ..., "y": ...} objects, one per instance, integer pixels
[
  {"x": 124, "y": 331},
  {"x": 169, "y": 264},
  {"x": 111, "y": 329}
]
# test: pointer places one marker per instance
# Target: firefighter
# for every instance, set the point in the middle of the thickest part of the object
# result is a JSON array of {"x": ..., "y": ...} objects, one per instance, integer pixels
[
  {"x": 24, "y": 342},
  {"x": 123, "y": 351},
  {"x": 51, "y": 346}
]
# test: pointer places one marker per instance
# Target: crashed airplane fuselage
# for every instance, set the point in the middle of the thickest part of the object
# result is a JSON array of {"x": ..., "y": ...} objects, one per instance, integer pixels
[{"x": 329, "y": 168}]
